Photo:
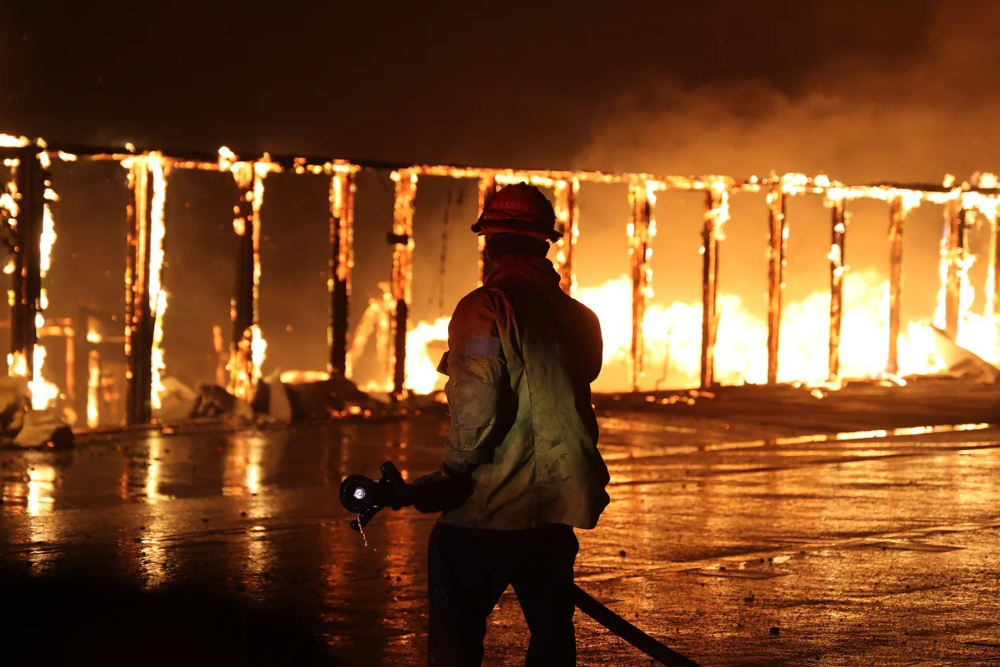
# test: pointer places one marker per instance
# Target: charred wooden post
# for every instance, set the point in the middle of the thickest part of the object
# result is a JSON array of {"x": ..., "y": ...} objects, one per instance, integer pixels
[
  {"x": 487, "y": 188},
  {"x": 401, "y": 239},
  {"x": 81, "y": 350},
  {"x": 776, "y": 262},
  {"x": 28, "y": 183},
  {"x": 138, "y": 312},
  {"x": 246, "y": 352},
  {"x": 642, "y": 197},
  {"x": 897, "y": 216},
  {"x": 567, "y": 216},
  {"x": 954, "y": 256},
  {"x": 716, "y": 213},
  {"x": 342, "y": 188},
  {"x": 838, "y": 226}
]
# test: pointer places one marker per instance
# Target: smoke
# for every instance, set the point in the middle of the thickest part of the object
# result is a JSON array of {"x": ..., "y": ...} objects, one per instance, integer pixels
[
  {"x": 858, "y": 118},
  {"x": 854, "y": 117}
]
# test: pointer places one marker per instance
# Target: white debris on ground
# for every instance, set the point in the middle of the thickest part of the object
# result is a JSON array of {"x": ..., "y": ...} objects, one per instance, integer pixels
[
  {"x": 44, "y": 428},
  {"x": 963, "y": 364},
  {"x": 177, "y": 401}
]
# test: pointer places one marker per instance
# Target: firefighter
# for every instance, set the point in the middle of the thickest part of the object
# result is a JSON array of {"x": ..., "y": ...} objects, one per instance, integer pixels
[{"x": 521, "y": 466}]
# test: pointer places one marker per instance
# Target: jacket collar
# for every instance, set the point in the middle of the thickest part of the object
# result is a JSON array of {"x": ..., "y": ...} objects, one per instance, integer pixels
[{"x": 535, "y": 269}]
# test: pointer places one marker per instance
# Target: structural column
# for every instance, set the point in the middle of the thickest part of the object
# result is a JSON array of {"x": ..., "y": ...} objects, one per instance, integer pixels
[
  {"x": 342, "y": 187},
  {"x": 954, "y": 251},
  {"x": 138, "y": 312},
  {"x": 401, "y": 239},
  {"x": 776, "y": 252},
  {"x": 642, "y": 197},
  {"x": 28, "y": 184},
  {"x": 567, "y": 217},
  {"x": 487, "y": 188},
  {"x": 716, "y": 213},
  {"x": 838, "y": 226},
  {"x": 246, "y": 353},
  {"x": 897, "y": 216}
]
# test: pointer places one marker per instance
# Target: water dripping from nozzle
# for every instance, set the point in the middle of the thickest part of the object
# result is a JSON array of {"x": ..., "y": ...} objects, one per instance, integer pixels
[{"x": 362, "y": 531}]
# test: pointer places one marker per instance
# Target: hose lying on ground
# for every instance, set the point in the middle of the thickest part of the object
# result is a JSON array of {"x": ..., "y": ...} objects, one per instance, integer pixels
[{"x": 633, "y": 635}]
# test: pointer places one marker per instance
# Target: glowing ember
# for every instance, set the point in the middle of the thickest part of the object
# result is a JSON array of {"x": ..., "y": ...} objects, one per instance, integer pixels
[
  {"x": 10, "y": 141},
  {"x": 303, "y": 377}
]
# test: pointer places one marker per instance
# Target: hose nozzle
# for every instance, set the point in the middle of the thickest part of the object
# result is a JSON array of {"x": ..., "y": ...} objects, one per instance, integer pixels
[{"x": 366, "y": 497}]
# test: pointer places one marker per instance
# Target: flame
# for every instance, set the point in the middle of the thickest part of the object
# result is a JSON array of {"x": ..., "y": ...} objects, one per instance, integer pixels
[
  {"x": 11, "y": 141},
  {"x": 42, "y": 391},
  {"x": 93, "y": 388},
  {"x": 17, "y": 364},
  {"x": 157, "y": 295},
  {"x": 248, "y": 356},
  {"x": 226, "y": 158},
  {"x": 258, "y": 347},
  {"x": 718, "y": 214},
  {"x": 303, "y": 377},
  {"x": 421, "y": 369},
  {"x": 672, "y": 334}
]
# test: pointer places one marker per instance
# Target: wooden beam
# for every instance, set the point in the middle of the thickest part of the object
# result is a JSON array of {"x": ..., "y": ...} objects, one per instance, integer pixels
[
  {"x": 342, "y": 188},
  {"x": 897, "y": 216},
  {"x": 401, "y": 240},
  {"x": 716, "y": 213},
  {"x": 838, "y": 229},
  {"x": 139, "y": 322},
  {"x": 487, "y": 188},
  {"x": 246, "y": 356},
  {"x": 776, "y": 251},
  {"x": 954, "y": 252},
  {"x": 567, "y": 217},
  {"x": 641, "y": 201}
]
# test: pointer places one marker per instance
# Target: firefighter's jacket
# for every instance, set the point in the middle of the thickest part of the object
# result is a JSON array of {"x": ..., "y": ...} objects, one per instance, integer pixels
[{"x": 522, "y": 355}]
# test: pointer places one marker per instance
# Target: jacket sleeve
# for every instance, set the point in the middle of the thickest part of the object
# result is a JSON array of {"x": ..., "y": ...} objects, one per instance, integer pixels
[
  {"x": 592, "y": 354},
  {"x": 478, "y": 387}
]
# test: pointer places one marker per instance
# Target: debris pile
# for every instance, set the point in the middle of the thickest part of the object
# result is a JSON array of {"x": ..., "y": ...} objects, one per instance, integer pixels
[
  {"x": 29, "y": 428},
  {"x": 281, "y": 398}
]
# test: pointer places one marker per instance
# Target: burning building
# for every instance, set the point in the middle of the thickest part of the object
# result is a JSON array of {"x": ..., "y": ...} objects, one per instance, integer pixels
[{"x": 108, "y": 365}]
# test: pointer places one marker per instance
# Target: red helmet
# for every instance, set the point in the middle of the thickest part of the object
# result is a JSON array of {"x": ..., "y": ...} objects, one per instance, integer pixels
[{"x": 518, "y": 209}]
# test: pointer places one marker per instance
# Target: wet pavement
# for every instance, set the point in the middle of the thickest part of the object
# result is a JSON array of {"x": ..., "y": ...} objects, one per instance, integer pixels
[{"x": 732, "y": 542}]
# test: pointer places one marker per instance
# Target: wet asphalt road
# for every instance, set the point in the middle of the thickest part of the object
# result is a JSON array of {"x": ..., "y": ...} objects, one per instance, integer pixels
[{"x": 730, "y": 546}]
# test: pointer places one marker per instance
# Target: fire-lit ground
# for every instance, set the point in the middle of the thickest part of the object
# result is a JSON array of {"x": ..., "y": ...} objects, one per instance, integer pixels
[{"x": 727, "y": 538}]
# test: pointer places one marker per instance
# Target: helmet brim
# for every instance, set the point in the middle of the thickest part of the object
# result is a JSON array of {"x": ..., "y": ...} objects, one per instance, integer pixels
[{"x": 487, "y": 227}]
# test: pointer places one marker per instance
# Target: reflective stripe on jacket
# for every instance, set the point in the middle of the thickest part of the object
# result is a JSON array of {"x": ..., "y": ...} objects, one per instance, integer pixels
[{"x": 522, "y": 355}]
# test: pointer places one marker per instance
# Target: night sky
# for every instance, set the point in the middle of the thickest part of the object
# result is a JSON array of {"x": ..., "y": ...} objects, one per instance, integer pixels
[{"x": 525, "y": 84}]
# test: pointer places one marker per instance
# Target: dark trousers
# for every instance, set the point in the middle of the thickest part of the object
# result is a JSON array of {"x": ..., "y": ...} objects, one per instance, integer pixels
[{"x": 469, "y": 569}]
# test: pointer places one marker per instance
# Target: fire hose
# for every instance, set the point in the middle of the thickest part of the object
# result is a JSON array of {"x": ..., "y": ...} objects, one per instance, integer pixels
[{"x": 365, "y": 497}]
